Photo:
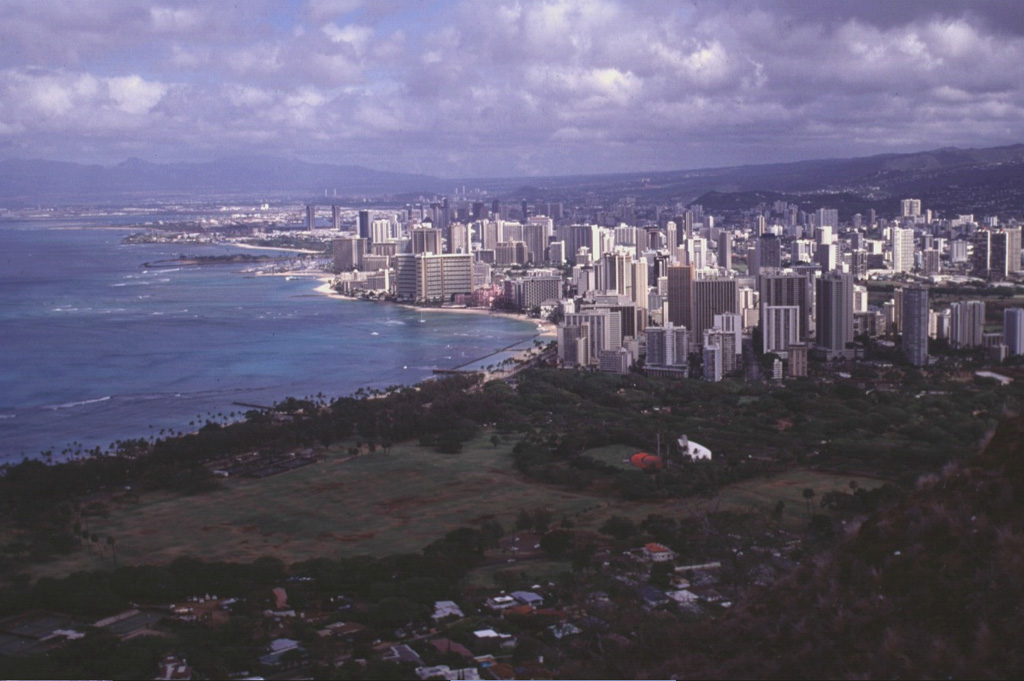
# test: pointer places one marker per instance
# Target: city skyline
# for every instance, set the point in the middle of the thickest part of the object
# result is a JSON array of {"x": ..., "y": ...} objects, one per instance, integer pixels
[{"x": 456, "y": 89}]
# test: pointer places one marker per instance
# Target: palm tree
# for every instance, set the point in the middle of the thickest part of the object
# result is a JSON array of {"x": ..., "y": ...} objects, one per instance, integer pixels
[{"x": 808, "y": 495}]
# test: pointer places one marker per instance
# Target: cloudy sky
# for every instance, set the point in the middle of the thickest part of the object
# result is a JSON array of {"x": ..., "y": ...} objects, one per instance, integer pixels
[{"x": 506, "y": 87}]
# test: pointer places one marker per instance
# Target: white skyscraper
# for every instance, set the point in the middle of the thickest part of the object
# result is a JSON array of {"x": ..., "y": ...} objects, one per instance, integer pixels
[
  {"x": 902, "y": 249},
  {"x": 967, "y": 323}
]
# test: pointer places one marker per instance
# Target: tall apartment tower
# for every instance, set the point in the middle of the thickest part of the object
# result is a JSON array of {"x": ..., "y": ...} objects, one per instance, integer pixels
[
  {"x": 915, "y": 325},
  {"x": 902, "y": 249},
  {"x": 910, "y": 208},
  {"x": 364, "y": 224},
  {"x": 780, "y": 325},
  {"x": 788, "y": 289},
  {"x": 310, "y": 217},
  {"x": 426, "y": 240},
  {"x": 769, "y": 251},
  {"x": 827, "y": 217},
  {"x": 711, "y": 297},
  {"x": 725, "y": 248},
  {"x": 336, "y": 218},
  {"x": 966, "y": 323},
  {"x": 667, "y": 345},
  {"x": 461, "y": 237},
  {"x": 1013, "y": 330},
  {"x": 834, "y": 314},
  {"x": 680, "y": 295},
  {"x": 997, "y": 253}
]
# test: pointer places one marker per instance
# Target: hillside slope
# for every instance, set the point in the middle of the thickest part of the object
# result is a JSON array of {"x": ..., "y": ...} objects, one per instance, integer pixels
[{"x": 928, "y": 588}]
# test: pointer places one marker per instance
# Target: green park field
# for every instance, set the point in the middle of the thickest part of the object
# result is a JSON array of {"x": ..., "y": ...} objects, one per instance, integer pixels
[{"x": 386, "y": 503}]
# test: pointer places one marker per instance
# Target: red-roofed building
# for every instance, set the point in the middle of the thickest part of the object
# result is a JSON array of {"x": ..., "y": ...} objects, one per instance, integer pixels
[
  {"x": 658, "y": 553},
  {"x": 445, "y": 645}
]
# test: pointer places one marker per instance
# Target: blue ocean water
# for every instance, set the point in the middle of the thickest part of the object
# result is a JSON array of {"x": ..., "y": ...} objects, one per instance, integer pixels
[{"x": 96, "y": 347}]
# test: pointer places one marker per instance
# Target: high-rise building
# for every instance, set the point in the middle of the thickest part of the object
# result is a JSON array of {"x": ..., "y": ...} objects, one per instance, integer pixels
[
  {"x": 710, "y": 297},
  {"x": 780, "y": 328},
  {"x": 336, "y": 218},
  {"x": 1013, "y": 330},
  {"x": 574, "y": 344},
  {"x": 348, "y": 253},
  {"x": 667, "y": 346},
  {"x": 579, "y": 236},
  {"x": 426, "y": 276},
  {"x": 967, "y": 324},
  {"x": 788, "y": 289},
  {"x": 680, "y": 295},
  {"x": 639, "y": 273},
  {"x": 827, "y": 217},
  {"x": 364, "y": 224},
  {"x": 510, "y": 253},
  {"x": 712, "y": 355},
  {"x": 769, "y": 251},
  {"x": 672, "y": 235},
  {"x": 460, "y": 239},
  {"x": 382, "y": 231},
  {"x": 536, "y": 234},
  {"x": 527, "y": 293},
  {"x": 902, "y": 249},
  {"x": 915, "y": 325},
  {"x": 426, "y": 240},
  {"x": 731, "y": 323},
  {"x": 834, "y": 314},
  {"x": 726, "y": 342},
  {"x": 997, "y": 253},
  {"x": 797, "y": 360},
  {"x": 910, "y": 208},
  {"x": 828, "y": 256},
  {"x": 605, "y": 329},
  {"x": 725, "y": 248},
  {"x": 310, "y": 217}
]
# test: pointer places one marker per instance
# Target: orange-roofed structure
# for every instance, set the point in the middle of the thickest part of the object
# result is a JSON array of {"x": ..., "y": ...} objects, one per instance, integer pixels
[{"x": 647, "y": 462}]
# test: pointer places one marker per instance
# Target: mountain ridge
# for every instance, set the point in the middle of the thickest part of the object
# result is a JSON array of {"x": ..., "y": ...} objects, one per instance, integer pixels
[{"x": 991, "y": 171}]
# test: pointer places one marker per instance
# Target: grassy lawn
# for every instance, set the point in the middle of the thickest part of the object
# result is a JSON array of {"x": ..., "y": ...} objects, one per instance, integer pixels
[
  {"x": 371, "y": 504},
  {"x": 614, "y": 455},
  {"x": 789, "y": 488},
  {"x": 391, "y": 503}
]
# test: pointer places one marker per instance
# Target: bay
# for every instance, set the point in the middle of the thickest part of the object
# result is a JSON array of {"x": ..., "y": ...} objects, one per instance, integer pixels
[{"x": 96, "y": 347}]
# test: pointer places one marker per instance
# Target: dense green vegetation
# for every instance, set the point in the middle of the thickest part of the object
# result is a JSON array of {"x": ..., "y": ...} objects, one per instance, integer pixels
[
  {"x": 568, "y": 428},
  {"x": 903, "y": 425}
]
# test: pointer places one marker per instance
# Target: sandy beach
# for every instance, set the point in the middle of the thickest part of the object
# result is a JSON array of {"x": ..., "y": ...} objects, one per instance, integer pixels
[
  {"x": 252, "y": 247},
  {"x": 545, "y": 329}
]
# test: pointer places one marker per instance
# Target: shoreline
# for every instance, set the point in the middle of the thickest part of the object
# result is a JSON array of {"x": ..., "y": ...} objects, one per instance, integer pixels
[{"x": 546, "y": 329}]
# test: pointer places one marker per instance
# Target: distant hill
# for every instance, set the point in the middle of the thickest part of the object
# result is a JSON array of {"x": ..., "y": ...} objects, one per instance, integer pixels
[
  {"x": 24, "y": 181},
  {"x": 950, "y": 179}
]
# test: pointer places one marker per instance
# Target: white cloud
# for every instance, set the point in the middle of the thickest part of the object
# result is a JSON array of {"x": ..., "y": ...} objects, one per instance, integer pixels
[
  {"x": 135, "y": 95},
  {"x": 466, "y": 84},
  {"x": 358, "y": 37},
  {"x": 175, "y": 19}
]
